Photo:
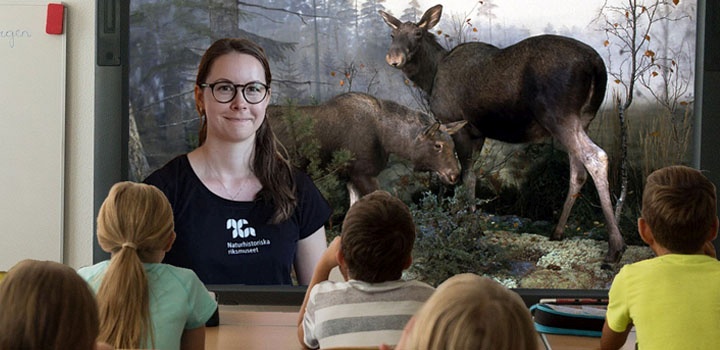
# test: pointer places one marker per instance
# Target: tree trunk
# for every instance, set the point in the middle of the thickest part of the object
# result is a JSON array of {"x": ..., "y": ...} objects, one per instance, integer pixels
[
  {"x": 223, "y": 17},
  {"x": 623, "y": 161}
]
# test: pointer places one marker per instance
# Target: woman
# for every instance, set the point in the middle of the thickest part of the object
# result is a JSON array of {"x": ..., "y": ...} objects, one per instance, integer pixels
[{"x": 242, "y": 214}]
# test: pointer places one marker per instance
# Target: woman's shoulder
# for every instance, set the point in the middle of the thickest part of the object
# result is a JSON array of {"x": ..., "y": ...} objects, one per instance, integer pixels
[
  {"x": 179, "y": 163},
  {"x": 307, "y": 191},
  {"x": 301, "y": 178},
  {"x": 172, "y": 174}
]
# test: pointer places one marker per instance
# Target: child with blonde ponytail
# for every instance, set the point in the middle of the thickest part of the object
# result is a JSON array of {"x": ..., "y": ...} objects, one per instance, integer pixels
[{"x": 140, "y": 298}]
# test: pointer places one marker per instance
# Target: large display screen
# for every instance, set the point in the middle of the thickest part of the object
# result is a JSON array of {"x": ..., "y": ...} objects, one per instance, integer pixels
[{"x": 320, "y": 49}]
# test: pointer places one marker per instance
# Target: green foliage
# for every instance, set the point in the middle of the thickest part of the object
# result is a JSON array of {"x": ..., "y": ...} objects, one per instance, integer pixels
[
  {"x": 450, "y": 240},
  {"x": 304, "y": 152}
]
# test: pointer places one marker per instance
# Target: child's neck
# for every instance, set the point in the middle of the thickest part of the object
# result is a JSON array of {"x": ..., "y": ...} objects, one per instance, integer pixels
[
  {"x": 154, "y": 257},
  {"x": 660, "y": 251}
]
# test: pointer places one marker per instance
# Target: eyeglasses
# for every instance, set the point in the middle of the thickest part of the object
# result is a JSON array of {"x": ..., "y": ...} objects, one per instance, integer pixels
[{"x": 224, "y": 91}]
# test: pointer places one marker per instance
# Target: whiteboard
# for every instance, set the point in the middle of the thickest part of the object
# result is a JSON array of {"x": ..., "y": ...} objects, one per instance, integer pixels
[{"x": 32, "y": 134}]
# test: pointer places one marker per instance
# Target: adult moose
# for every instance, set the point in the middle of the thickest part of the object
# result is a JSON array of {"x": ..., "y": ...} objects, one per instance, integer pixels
[
  {"x": 372, "y": 129},
  {"x": 543, "y": 86}
]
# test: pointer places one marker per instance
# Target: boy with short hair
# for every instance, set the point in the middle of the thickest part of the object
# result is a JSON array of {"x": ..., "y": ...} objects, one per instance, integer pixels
[
  {"x": 373, "y": 305},
  {"x": 673, "y": 300}
]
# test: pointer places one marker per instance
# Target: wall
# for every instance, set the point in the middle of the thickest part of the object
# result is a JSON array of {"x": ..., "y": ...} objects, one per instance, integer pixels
[{"x": 79, "y": 140}]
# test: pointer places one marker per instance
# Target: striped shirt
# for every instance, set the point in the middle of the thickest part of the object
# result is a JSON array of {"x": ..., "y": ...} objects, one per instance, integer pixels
[{"x": 356, "y": 313}]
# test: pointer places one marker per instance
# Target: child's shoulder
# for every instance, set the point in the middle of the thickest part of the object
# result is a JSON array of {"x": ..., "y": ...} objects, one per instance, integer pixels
[
  {"x": 672, "y": 262},
  {"x": 87, "y": 272},
  {"x": 329, "y": 286},
  {"x": 412, "y": 288},
  {"x": 181, "y": 271},
  {"x": 419, "y": 284}
]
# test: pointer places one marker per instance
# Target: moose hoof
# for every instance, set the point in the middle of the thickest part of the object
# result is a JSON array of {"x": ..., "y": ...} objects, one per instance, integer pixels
[{"x": 613, "y": 257}]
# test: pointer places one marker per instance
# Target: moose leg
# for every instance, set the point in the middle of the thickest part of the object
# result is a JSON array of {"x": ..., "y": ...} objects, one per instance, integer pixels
[
  {"x": 578, "y": 176},
  {"x": 361, "y": 185},
  {"x": 466, "y": 146},
  {"x": 595, "y": 160},
  {"x": 353, "y": 193}
]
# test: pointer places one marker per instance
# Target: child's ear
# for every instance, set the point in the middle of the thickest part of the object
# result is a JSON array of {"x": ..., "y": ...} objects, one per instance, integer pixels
[
  {"x": 645, "y": 232},
  {"x": 408, "y": 262},
  {"x": 170, "y": 242},
  {"x": 714, "y": 230},
  {"x": 340, "y": 257}
]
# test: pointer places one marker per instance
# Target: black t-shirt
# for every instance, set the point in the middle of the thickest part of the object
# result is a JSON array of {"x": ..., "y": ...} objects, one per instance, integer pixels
[{"x": 230, "y": 242}]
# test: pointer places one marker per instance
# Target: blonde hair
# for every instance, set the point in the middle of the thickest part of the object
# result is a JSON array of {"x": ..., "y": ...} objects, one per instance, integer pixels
[
  {"x": 679, "y": 205},
  {"x": 470, "y": 312},
  {"x": 45, "y": 305},
  {"x": 134, "y": 222}
]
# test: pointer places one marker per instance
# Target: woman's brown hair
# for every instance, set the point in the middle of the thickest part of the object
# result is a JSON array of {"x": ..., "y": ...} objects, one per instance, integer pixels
[
  {"x": 45, "y": 305},
  {"x": 270, "y": 163}
]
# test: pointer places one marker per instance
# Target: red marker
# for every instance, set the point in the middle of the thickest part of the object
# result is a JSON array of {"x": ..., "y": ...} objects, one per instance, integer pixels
[{"x": 55, "y": 19}]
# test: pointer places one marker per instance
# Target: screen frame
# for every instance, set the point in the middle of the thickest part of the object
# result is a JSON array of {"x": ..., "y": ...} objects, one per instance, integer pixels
[
  {"x": 232, "y": 294},
  {"x": 111, "y": 136}
]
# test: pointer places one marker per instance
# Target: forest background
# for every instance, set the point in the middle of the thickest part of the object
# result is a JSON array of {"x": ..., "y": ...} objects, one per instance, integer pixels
[{"x": 321, "y": 48}]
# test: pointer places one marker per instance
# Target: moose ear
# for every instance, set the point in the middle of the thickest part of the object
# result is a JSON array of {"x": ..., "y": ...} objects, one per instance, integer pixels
[
  {"x": 431, "y": 17},
  {"x": 453, "y": 127},
  {"x": 393, "y": 22},
  {"x": 432, "y": 129}
]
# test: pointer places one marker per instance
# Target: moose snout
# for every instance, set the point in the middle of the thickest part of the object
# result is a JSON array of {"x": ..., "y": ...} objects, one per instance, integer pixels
[
  {"x": 395, "y": 60},
  {"x": 449, "y": 177}
]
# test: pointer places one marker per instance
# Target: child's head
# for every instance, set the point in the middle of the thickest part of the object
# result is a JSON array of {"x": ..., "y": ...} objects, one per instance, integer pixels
[
  {"x": 378, "y": 234},
  {"x": 679, "y": 206},
  {"x": 135, "y": 224},
  {"x": 135, "y": 217},
  {"x": 46, "y": 305},
  {"x": 468, "y": 311}
]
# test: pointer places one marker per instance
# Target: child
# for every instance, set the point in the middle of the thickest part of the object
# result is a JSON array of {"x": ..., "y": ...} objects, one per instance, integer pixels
[
  {"x": 374, "y": 304},
  {"x": 143, "y": 303},
  {"x": 470, "y": 312},
  {"x": 672, "y": 299},
  {"x": 45, "y": 305}
]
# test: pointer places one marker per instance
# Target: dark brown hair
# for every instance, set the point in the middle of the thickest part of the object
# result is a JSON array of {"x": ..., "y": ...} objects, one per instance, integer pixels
[
  {"x": 679, "y": 205},
  {"x": 270, "y": 163},
  {"x": 378, "y": 235},
  {"x": 45, "y": 305}
]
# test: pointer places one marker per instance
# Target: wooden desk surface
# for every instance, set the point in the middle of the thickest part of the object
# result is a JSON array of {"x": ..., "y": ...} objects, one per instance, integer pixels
[{"x": 249, "y": 329}]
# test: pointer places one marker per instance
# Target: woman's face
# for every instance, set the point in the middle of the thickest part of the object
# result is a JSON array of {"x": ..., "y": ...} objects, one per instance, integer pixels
[{"x": 236, "y": 120}]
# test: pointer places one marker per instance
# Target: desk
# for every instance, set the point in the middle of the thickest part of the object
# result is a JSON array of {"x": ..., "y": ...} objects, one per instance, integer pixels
[
  {"x": 242, "y": 328},
  {"x": 260, "y": 328}
]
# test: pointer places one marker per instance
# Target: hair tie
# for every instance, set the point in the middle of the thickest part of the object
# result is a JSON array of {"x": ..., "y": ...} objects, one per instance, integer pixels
[{"x": 129, "y": 245}]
